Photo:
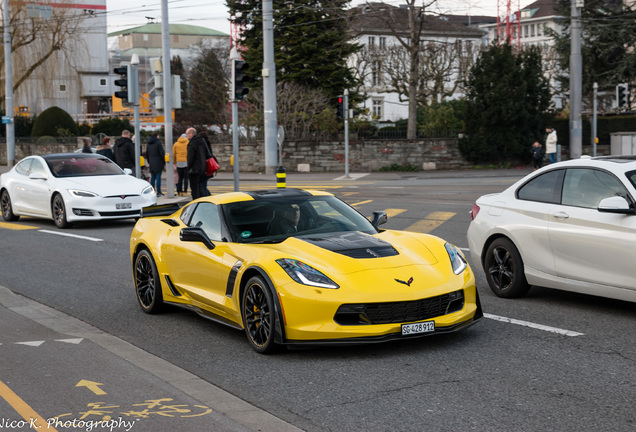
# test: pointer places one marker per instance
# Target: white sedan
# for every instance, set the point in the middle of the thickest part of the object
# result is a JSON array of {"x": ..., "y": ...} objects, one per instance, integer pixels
[
  {"x": 569, "y": 226},
  {"x": 71, "y": 188}
]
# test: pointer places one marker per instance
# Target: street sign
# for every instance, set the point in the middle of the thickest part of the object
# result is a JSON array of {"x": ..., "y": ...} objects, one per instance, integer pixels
[{"x": 6, "y": 119}]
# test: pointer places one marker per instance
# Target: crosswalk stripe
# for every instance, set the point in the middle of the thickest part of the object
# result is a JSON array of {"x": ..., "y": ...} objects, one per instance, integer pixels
[
  {"x": 15, "y": 226},
  {"x": 430, "y": 222},
  {"x": 394, "y": 212}
]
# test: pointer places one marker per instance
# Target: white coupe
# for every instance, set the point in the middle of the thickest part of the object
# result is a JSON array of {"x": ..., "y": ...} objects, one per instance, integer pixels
[
  {"x": 569, "y": 226},
  {"x": 71, "y": 188}
]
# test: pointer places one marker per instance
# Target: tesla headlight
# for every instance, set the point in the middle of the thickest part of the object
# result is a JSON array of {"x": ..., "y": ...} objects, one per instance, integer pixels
[
  {"x": 305, "y": 274},
  {"x": 458, "y": 262},
  {"x": 81, "y": 193},
  {"x": 147, "y": 190}
]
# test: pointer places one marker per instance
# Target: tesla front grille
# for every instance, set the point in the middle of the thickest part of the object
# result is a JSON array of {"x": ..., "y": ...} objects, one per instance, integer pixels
[
  {"x": 125, "y": 213},
  {"x": 400, "y": 312}
]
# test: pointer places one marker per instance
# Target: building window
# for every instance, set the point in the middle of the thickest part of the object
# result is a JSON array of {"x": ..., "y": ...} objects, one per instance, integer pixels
[
  {"x": 145, "y": 38},
  {"x": 532, "y": 30},
  {"x": 539, "y": 26},
  {"x": 377, "y": 108},
  {"x": 525, "y": 30},
  {"x": 376, "y": 73},
  {"x": 103, "y": 82},
  {"x": 62, "y": 87},
  {"x": 371, "y": 41},
  {"x": 382, "y": 42}
]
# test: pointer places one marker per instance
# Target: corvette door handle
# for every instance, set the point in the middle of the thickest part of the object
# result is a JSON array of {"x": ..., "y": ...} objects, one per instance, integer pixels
[{"x": 560, "y": 215}]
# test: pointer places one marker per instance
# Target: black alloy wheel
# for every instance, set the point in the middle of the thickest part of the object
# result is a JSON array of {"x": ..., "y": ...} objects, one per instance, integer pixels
[
  {"x": 59, "y": 212},
  {"x": 147, "y": 283},
  {"x": 259, "y": 317},
  {"x": 7, "y": 211},
  {"x": 504, "y": 269}
]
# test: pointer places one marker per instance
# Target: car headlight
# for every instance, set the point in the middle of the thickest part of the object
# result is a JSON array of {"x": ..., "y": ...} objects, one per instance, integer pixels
[
  {"x": 305, "y": 274},
  {"x": 147, "y": 190},
  {"x": 458, "y": 262},
  {"x": 81, "y": 193}
]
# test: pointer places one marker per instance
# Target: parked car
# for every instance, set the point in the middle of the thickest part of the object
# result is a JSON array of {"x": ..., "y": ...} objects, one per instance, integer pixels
[
  {"x": 70, "y": 188},
  {"x": 295, "y": 267},
  {"x": 569, "y": 226}
]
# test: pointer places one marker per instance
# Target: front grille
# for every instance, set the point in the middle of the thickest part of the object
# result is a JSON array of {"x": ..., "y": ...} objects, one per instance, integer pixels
[
  {"x": 399, "y": 312},
  {"x": 120, "y": 213},
  {"x": 371, "y": 252}
]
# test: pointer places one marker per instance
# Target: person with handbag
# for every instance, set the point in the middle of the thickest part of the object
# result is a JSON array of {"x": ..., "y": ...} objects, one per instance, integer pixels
[
  {"x": 212, "y": 164},
  {"x": 197, "y": 156}
]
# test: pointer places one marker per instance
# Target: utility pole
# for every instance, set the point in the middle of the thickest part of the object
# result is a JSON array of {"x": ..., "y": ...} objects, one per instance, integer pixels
[
  {"x": 269, "y": 88},
  {"x": 8, "y": 87},
  {"x": 133, "y": 98},
  {"x": 576, "y": 82},
  {"x": 345, "y": 114},
  {"x": 167, "y": 95},
  {"x": 594, "y": 120}
]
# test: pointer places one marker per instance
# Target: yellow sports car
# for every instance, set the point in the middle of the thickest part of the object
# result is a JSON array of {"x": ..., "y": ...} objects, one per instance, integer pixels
[{"x": 299, "y": 267}]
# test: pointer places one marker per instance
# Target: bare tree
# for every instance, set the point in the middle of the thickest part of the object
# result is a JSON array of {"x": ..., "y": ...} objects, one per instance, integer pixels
[
  {"x": 35, "y": 40},
  {"x": 394, "y": 18}
]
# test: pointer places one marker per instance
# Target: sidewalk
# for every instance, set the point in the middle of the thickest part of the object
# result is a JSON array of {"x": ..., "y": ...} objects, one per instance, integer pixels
[{"x": 55, "y": 366}]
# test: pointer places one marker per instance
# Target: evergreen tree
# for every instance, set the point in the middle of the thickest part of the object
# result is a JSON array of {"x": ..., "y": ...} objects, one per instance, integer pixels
[
  {"x": 207, "y": 89},
  {"x": 507, "y": 99},
  {"x": 607, "y": 46},
  {"x": 311, "y": 45}
]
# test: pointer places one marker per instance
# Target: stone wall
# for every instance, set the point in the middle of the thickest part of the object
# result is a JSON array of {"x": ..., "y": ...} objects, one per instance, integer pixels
[{"x": 364, "y": 156}]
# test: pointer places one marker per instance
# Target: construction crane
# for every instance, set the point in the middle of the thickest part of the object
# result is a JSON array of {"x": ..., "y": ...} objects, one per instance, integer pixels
[{"x": 509, "y": 23}]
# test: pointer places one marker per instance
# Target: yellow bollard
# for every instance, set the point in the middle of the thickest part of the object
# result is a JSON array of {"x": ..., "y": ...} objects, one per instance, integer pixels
[{"x": 281, "y": 178}]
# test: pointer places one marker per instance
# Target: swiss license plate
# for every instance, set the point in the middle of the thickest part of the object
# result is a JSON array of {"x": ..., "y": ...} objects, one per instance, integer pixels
[
  {"x": 421, "y": 327},
  {"x": 122, "y": 206}
]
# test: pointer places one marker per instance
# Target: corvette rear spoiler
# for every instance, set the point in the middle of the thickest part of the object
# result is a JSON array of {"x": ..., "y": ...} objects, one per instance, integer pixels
[{"x": 160, "y": 210}]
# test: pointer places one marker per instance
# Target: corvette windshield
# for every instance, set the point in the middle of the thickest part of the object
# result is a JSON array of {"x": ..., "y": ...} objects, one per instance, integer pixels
[
  {"x": 277, "y": 219},
  {"x": 78, "y": 167}
]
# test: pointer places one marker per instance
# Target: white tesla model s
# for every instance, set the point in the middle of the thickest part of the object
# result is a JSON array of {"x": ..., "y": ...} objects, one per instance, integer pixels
[{"x": 71, "y": 188}]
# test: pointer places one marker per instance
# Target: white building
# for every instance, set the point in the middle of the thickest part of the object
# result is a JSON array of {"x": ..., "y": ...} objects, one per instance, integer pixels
[
  {"x": 448, "y": 49},
  {"x": 75, "y": 78}
]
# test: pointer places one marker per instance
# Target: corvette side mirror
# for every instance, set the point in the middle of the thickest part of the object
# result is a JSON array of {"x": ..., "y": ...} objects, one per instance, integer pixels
[
  {"x": 379, "y": 218},
  {"x": 196, "y": 234}
]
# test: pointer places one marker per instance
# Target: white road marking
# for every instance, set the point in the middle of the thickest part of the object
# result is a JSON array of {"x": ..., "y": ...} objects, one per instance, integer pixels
[
  {"x": 351, "y": 176},
  {"x": 72, "y": 235},
  {"x": 533, "y": 325}
]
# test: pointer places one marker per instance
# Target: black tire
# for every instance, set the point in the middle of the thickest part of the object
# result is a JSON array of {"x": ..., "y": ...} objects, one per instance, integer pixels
[
  {"x": 147, "y": 283},
  {"x": 58, "y": 209},
  {"x": 259, "y": 316},
  {"x": 504, "y": 269},
  {"x": 7, "y": 210}
]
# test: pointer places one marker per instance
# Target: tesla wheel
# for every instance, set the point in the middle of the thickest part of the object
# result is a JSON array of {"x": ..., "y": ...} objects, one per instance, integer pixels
[
  {"x": 147, "y": 283},
  {"x": 504, "y": 269},
  {"x": 259, "y": 317},
  {"x": 7, "y": 211},
  {"x": 59, "y": 212}
]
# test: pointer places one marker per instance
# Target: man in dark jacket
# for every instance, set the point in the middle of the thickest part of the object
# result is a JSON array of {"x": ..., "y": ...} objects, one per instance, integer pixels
[
  {"x": 197, "y": 156},
  {"x": 125, "y": 151},
  {"x": 156, "y": 156}
]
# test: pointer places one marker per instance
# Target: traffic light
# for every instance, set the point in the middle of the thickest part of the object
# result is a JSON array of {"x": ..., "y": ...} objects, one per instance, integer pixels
[
  {"x": 340, "y": 108},
  {"x": 238, "y": 79},
  {"x": 129, "y": 92},
  {"x": 124, "y": 73},
  {"x": 622, "y": 95}
]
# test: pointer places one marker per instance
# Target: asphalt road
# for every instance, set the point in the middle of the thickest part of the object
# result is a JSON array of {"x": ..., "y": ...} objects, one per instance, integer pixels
[{"x": 552, "y": 361}]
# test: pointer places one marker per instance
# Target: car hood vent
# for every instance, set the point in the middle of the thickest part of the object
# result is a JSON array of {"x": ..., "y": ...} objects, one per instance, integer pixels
[{"x": 353, "y": 244}]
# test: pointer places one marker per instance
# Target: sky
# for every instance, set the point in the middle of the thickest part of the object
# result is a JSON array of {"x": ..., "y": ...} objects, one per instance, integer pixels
[{"x": 213, "y": 14}]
